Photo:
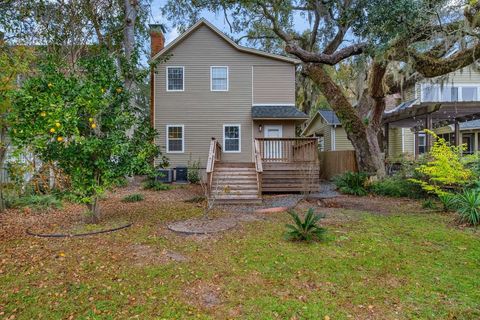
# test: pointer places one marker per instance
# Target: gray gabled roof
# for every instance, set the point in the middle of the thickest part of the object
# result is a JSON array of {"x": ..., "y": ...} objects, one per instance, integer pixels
[
  {"x": 204, "y": 22},
  {"x": 277, "y": 112},
  {"x": 330, "y": 117}
]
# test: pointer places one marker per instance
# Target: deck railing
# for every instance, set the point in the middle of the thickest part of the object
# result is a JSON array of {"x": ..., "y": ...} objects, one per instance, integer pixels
[
  {"x": 288, "y": 150},
  {"x": 214, "y": 155}
]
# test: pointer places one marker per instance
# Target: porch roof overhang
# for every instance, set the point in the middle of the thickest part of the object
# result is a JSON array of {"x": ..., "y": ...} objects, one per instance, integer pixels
[
  {"x": 278, "y": 112},
  {"x": 440, "y": 114}
]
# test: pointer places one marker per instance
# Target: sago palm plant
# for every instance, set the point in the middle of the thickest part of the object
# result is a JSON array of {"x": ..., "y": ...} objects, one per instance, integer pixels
[
  {"x": 468, "y": 207},
  {"x": 306, "y": 230}
]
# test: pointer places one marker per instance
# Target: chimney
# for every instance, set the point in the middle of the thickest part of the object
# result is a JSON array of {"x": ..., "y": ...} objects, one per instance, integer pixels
[{"x": 157, "y": 39}]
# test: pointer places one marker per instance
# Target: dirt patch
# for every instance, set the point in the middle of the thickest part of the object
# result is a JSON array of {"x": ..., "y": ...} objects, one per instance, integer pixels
[
  {"x": 205, "y": 295},
  {"x": 203, "y": 226},
  {"x": 373, "y": 204},
  {"x": 142, "y": 255},
  {"x": 14, "y": 222}
]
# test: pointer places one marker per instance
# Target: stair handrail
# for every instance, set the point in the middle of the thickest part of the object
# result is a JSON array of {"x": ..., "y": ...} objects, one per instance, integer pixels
[
  {"x": 214, "y": 154},
  {"x": 258, "y": 166}
]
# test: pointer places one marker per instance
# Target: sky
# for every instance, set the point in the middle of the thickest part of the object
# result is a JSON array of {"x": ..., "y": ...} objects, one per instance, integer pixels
[{"x": 218, "y": 21}]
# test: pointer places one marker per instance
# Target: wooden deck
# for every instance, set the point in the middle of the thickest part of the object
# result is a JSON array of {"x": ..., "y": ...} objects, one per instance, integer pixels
[{"x": 280, "y": 165}]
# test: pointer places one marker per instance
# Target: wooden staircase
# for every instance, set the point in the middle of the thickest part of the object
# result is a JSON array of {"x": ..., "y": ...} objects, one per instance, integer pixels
[{"x": 235, "y": 183}]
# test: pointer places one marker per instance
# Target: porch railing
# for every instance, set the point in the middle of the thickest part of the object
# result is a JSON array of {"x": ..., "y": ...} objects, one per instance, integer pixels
[{"x": 288, "y": 150}]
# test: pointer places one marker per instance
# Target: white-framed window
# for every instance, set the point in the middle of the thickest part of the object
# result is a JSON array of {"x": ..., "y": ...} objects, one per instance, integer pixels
[
  {"x": 175, "y": 138},
  {"x": 449, "y": 93},
  {"x": 175, "y": 78},
  {"x": 422, "y": 143},
  {"x": 219, "y": 78},
  {"x": 232, "y": 138}
]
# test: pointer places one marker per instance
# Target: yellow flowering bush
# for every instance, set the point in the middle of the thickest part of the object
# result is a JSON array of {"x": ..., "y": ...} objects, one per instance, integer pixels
[{"x": 445, "y": 169}]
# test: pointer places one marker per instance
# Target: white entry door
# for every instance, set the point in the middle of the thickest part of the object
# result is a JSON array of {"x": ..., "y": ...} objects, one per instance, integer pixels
[{"x": 273, "y": 149}]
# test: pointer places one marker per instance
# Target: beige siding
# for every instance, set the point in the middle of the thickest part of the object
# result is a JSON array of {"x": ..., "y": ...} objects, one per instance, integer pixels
[
  {"x": 288, "y": 128},
  {"x": 318, "y": 126},
  {"x": 408, "y": 141},
  {"x": 394, "y": 143},
  {"x": 409, "y": 94},
  {"x": 327, "y": 134},
  {"x": 341, "y": 141},
  {"x": 466, "y": 75},
  {"x": 400, "y": 143},
  {"x": 274, "y": 84},
  {"x": 202, "y": 112}
]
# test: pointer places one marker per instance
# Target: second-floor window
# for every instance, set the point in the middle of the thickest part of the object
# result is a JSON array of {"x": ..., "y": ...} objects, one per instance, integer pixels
[
  {"x": 219, "y": 78},
  {"x": 449, "y": 93},
  {"x": 175, "y": 79}
]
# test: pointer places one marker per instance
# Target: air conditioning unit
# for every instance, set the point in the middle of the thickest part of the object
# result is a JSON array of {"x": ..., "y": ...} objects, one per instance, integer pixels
[
  {"x": 181, "y": 175},
  {"x": 164, "y": 175}
]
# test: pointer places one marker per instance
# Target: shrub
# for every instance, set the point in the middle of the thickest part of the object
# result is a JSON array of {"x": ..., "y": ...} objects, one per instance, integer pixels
[
  {"x": 156, "y": 185},
  {"x": 396, "y": 187},
  {"x": 468, "y": 207},
  {"x": 135, "y": 197},
  {"x": 352, "y": 183},
  {"x": 429, "y": 204},
  {"x": 448, "y": 201},
  {"x": 193, "y": 174},
  {"x": 36, "y": 202},
  {"x": 306, "y": 230},
  {"x": 445, "y": 170}
]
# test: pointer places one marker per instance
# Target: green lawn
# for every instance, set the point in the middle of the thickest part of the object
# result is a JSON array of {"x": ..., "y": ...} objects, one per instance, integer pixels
[{"x": 371, "y": 266}]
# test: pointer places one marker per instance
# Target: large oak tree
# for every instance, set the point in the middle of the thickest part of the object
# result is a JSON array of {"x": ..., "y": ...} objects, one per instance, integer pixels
[{"x": 400, "y": 41}]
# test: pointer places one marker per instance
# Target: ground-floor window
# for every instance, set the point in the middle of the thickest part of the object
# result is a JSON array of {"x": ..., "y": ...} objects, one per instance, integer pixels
[
  {"x": 467, "y": 140},
  {"x": 175, "y": 138},
  {"x": 231, "y": 138},
  {"x": 422, "y": 142},
  {"x": 448, "y": 137}
]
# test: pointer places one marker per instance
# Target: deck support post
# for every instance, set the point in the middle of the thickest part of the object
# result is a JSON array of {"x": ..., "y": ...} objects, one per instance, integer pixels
[
  {"x": 428, "y": 137},
  {"x": 457, "y": 133},
  {"x": 417, "y": 147}
]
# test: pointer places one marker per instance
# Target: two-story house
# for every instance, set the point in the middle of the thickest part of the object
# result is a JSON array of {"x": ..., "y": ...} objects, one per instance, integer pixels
[{"x": 228, "y": 106}]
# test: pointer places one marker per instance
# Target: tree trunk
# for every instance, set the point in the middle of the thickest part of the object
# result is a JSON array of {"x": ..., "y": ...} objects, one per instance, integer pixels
[
  {"x": 93, "y": 211},
  {"x": 362, "y": 132}
]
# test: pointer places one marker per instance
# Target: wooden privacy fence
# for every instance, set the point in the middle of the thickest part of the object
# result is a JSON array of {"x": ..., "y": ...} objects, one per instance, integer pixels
[{"x": 333, "y": 163}]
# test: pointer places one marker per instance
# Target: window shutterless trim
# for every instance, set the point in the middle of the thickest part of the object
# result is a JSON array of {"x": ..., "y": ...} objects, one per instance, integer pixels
[
  {"x": 239, "y": 138},
  {"x": 211, "y": 79},
  {"x": 183, "y": 137},
  {"x": 183, "y": 78}
]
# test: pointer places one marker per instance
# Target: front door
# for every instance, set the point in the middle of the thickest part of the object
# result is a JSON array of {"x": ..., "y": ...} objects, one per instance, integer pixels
[{"x": 273, "y": 149}]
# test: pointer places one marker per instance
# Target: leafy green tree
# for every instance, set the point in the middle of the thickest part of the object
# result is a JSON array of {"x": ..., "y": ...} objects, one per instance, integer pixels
[
  {"x": 444, "y": 170},
  {"x": 14, "y": 62},
  {"x": 83, "y": 122}
]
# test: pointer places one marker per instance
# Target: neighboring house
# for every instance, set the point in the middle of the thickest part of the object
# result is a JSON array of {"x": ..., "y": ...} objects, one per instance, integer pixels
[
  {"x": 208, "y": 87},
  {"x": 325, "y": 126},
  {"x": 460, "y": 89}
]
